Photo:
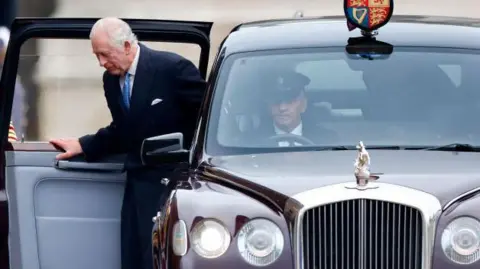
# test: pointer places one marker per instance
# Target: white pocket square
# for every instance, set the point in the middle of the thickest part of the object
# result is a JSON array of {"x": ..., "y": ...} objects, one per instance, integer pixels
[{"x": 156, "y": 101}]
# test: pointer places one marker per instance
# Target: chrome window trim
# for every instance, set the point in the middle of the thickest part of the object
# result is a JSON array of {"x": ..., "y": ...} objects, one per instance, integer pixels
[{"x": 428, "y": 205}]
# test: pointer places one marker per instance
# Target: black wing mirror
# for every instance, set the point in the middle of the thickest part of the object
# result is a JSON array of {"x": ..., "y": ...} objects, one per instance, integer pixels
[{"x": 164, "y": 149}]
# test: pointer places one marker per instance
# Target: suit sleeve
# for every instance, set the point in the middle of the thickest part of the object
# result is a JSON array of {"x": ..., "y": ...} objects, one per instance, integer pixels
[
  {"x": 190, "y": 89},
  {"x": 106, "y": 140}
]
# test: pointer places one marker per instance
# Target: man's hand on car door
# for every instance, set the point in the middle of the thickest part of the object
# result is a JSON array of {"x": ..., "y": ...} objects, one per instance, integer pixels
[{"x": 71, "y": 146}]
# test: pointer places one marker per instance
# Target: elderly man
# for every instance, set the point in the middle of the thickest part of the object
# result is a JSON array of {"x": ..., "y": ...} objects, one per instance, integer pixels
[
  {"x": 287, "y": 103},
  {"x": 148, "y": 93}
]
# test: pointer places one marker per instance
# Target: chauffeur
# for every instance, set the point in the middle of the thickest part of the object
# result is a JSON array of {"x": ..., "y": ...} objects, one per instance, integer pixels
[{"x": 287, "y": 103}]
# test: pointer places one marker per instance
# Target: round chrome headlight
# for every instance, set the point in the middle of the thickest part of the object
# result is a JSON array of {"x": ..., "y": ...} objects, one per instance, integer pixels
[
  {"x": 260, "y": 242},
  {"x": 210, "y": 239},
  {"x": 461, "y": 240}
]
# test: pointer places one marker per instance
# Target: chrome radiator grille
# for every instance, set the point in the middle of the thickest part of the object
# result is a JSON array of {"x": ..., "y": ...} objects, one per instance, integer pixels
[{"x": 362, "y": 234}]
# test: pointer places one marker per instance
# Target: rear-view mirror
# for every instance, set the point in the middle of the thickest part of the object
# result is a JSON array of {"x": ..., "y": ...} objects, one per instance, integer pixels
[
  {"x": 163, "y": 149},
  {"x": 368, "y": 48}
]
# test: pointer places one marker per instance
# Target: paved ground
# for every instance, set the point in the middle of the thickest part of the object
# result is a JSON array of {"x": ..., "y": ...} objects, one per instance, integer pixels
[{"x": 71, "y": 77}]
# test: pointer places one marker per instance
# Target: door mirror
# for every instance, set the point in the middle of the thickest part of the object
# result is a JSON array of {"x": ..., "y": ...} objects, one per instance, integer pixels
[{"x": 164, "y": 149}]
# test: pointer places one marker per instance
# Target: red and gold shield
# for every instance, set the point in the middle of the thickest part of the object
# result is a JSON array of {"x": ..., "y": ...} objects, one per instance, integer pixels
[{"x": 368, "y": 15}]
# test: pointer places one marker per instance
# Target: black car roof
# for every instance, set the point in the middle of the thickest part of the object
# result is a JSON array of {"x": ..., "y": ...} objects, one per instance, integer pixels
[{"x": 331, "y": 31}]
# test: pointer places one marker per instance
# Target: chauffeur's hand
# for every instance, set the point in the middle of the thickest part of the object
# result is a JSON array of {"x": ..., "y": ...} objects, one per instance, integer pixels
[{"x": 71, "y": 146}]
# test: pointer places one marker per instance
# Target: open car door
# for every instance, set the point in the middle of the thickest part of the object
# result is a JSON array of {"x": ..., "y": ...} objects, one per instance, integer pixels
[{"x": 66, "y": 214}]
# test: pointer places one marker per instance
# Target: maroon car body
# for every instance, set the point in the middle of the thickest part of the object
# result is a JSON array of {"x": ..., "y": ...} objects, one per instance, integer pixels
[{"x": 310, "y": 193}]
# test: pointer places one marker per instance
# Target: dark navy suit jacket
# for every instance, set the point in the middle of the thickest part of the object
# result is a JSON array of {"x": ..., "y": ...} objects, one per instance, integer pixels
[{"x": 159, "y": 75}]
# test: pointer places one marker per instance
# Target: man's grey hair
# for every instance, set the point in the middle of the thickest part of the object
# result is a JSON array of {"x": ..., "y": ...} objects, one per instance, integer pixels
[{"x": 118, "y": 31}]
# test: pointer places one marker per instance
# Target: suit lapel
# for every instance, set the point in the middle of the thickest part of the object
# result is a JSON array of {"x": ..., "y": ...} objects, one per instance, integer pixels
[{"x": 142, "y": 84}]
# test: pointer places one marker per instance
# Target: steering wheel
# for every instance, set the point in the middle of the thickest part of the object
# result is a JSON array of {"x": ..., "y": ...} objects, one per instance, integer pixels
[{"x": 291, "y": 138}]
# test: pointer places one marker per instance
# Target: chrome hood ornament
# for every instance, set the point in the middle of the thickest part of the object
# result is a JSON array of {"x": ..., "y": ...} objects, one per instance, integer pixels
[{"x": 362, "y": 170}]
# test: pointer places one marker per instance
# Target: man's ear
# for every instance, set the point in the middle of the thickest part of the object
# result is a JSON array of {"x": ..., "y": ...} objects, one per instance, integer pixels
[{"x": 127, "y": 47}]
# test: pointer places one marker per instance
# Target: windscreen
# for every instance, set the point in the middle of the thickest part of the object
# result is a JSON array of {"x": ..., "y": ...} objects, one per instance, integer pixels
[{"x": 322, "y": 97}]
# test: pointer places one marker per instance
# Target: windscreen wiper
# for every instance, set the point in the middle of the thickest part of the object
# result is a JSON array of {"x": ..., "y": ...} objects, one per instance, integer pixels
[
  {"x": 458, "y": 147},
  {"x": 349, "y": 147},
  {"x": 333, "y": 148}
]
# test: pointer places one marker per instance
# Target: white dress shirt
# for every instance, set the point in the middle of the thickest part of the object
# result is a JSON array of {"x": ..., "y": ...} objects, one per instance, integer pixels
[
  {"x": 131, "y": 71},
  {"x": 296, "y": 131}
]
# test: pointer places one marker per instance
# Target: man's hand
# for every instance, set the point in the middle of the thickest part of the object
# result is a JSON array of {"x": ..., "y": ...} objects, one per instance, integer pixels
[{"x": 71, "y": 146}]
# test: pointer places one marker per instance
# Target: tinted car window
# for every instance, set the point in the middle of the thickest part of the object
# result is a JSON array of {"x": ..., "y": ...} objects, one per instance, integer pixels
[
  {"x": 414, "y": 97},
  {"x": 322, "y": 77}
]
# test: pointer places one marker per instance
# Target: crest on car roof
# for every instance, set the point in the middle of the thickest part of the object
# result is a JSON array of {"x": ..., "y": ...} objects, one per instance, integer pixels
[{"x": 368, "y": 15}]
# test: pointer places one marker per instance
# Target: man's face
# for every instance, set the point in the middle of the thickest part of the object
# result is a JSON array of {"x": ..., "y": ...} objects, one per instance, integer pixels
[
  {"x": 115, "y": 59},
  {"x": 287, "y": 113}
]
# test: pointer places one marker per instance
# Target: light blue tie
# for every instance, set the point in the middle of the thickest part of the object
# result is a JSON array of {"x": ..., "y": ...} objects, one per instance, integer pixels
[{"x": 126, "y": 91}]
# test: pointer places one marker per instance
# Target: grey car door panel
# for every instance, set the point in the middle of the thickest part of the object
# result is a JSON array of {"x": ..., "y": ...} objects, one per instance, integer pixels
[{"x": 63, "y": 217}]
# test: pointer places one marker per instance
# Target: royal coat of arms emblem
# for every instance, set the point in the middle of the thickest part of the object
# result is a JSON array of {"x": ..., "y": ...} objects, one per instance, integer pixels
[{"x": 367, "y": 15}]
